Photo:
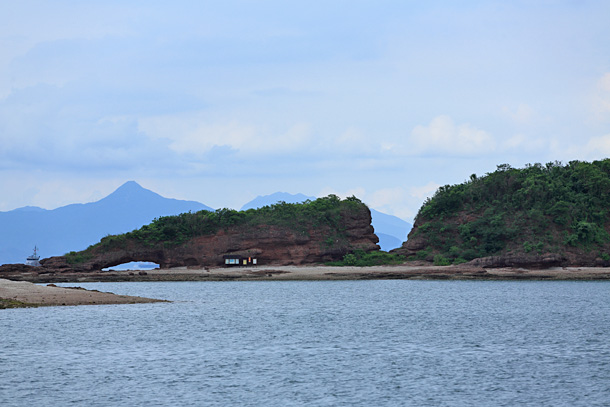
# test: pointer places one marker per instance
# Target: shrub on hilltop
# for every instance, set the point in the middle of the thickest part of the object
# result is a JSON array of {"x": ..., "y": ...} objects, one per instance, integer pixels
[{"x": 552, "y": 208}]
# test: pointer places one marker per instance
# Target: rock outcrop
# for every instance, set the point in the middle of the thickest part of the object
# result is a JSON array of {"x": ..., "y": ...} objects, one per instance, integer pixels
[
  {"x": 519, "y": 261},
  {"x": 535, "y": 217},
  {"x": 569, "y": 257},
  {"x": 271, "y": 244},
  {"x": 414, "y": 243}
]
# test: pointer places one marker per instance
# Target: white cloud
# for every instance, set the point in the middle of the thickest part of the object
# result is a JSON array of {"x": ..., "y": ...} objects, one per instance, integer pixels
[
  {"x": 604, "y": 82},
  {"x": 594, "y": 149},
  {"x": 399, "y": 201},
  {"x": 25, "y": 26},
  {"x": 394, "y": 201},
  {"x": 355, "y": 141},
  {"x": 523, "y": 114},
  {"x": 403, "y": 202},
  {"x": 387, "y": 196},
  {"x": 600, "y": 146},
  {"x": 442, "y": 135},
  {"x": 50, "y": 190},
  {"x": 602, "y": 100},
  {"x": 523, "y": 143},
  {"x": 194, "y": 135},
  {"x": 424, "y": 191},
  {"x": 171, "y": 93},
  {"x": 351, "y": 137}
]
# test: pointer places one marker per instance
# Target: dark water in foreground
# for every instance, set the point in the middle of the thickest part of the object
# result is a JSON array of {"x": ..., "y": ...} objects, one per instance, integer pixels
[{"x": 354, "y": 343}]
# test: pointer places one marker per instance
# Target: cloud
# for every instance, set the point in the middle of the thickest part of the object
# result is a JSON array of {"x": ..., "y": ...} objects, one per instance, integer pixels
[
  {"x": 61, "y": 129},
  {"x": 50, "y": 190},
  {"x": 352, "y": 139},
  {"x": 599, "y": 146},
  {"x": 397, "y": 201},
  {"x": 523, "y": 114},
  {"x": 443, "y": 136},
  {"x": 524, "y": 144},
  {"x": 259, "y": 91},
  {"x": 195, "y": 135},
  {"x": 602, "y": 99},
  {"x": 355, "y": 141},
  {"x": 403, "y": 202},
  {"x": 604, "y": 82},
  {"x": 424, "y": 191},
  {"x": 594, "y": 149},
  {"x": 387, "y": 196}
]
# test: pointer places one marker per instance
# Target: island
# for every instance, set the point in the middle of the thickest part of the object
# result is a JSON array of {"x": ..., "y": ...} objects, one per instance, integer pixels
[
  {"x": 537, "y": 217},
  {"x": 545, "y": 222}
]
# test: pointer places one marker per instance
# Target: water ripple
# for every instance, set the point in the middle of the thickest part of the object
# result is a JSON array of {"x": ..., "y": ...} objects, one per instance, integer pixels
[{"x": 382, "y": 343}]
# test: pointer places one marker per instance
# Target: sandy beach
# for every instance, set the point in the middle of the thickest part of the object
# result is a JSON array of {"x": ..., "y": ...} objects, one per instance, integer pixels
[
  {"x": 283, "y": 273},
  {"x": 15, "y": 294},
  {"x": 316, "y": 272},
  {"x": 24, "y": 292}
]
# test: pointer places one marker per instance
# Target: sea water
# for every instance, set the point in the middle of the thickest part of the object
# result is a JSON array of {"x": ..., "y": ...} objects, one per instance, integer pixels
[{"x": 315, "y": 343}]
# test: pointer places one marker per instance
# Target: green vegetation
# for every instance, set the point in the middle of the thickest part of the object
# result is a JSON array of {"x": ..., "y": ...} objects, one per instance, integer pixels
[
  {"x": 77, "y": 257},
  {"x": 537, "y": 209},
  {"x": 8, "y": 303},
  {"x": 175, "y": 230},
  {"x": 360, "y": 258}
]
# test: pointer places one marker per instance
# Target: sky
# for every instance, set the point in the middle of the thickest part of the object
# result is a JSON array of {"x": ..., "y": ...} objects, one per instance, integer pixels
[{"x": 220, "y": 102}]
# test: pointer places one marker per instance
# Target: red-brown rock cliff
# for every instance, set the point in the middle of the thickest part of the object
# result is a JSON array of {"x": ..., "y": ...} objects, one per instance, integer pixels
[{"x": 279, "y": 244}]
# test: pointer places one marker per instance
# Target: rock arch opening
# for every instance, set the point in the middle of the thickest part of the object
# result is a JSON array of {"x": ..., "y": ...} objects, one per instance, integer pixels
[{"x": 134, "y": 265}]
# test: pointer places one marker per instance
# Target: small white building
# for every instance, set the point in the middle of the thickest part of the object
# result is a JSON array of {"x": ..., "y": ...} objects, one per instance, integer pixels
[{"x": 237, "y": 260}]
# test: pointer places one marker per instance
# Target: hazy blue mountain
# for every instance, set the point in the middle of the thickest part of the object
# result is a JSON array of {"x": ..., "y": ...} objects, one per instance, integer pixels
[
  {"x": 76, "y": 226},
  {"x": 391, "y": 226},
  {"x": 387, "y": 242},
  {"x": 29, "y": 209},
  {"x": 391, "y": 230}
]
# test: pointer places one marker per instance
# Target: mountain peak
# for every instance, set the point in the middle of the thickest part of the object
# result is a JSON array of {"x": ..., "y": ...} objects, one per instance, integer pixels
[
  {"x": 29, "y": 209},
  {"x": 77, "y": 226},
  {"x": 129, "y": 186},
  {"x": 129, "y": 191}
]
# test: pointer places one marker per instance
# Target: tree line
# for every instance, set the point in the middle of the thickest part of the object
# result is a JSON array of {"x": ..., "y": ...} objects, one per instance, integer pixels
[{"x": 539, "y": 208}]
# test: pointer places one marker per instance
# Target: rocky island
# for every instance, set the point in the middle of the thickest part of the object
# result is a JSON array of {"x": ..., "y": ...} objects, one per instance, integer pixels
[
  {"x": 537, "y": 217},
  {"x": 318, "y": 231},
  {"x": 541, "y": 222}
]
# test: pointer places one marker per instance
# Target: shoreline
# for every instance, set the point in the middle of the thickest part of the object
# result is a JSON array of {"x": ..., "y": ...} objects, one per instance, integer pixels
[
  {"x": 20, "y": 289},
  {"x": 315, "y": 272},
  {"x": 23, "y": 294}
]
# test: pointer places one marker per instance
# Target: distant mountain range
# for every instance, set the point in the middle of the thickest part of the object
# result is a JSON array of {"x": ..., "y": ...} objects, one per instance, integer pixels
[
  {"x": 391, "y": 230},
  {"x": 77, "y": 226}
]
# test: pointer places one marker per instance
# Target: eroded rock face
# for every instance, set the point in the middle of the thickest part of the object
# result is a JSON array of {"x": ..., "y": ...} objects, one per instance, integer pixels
[
  {"x": 269, "y": 244},
  {"x": 413, "y": 244},
  {"x": 520, "y": 261},
  {"x": 570, "y": 256}
]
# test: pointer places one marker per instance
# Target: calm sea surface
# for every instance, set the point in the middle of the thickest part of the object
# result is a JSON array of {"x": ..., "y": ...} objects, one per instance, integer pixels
[{"x": 337, "y": 343}]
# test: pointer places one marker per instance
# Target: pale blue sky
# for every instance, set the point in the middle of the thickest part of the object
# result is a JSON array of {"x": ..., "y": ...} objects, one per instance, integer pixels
[{"x": 223, "y": 101}]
